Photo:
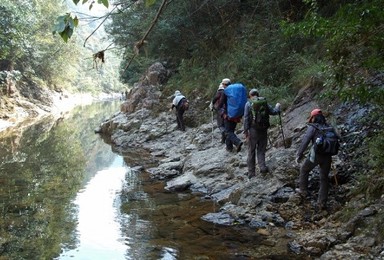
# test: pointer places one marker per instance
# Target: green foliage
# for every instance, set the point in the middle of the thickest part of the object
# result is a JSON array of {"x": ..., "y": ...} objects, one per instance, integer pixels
[
  {"x": 370, "y": 181},
  {"x": 376, "y": 162},
  {"x": 350, "y": 42},
  {"x": 65, "y": 26},
  {"x": 104, "y": 2}
]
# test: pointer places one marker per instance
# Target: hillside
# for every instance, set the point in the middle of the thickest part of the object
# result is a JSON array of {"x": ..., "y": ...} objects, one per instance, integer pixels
[{"x": 351, "y": 228}]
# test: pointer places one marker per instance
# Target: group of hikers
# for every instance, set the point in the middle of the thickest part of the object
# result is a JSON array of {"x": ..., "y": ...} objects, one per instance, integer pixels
[{"x": 232, "y": 102}]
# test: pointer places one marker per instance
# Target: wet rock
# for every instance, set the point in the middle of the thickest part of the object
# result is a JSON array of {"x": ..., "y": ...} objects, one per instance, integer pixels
[
  {"x": 181, "y": 183},
  {"x": 220, "y": 218},
  {"x": 294, "y": 247}
]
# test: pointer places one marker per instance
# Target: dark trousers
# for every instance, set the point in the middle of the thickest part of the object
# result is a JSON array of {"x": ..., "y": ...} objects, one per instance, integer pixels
[
  {"x": 220, "y": 122},
  {"x": 324, "y": 162},
  {"x": 258, "y": 141},
  {"x": 220, "y": 125},
  {"x": 179, "y": 118},
  {"x": 231, "y": 137}
]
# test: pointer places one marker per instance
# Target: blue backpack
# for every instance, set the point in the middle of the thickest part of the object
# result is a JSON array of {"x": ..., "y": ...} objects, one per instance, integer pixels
[{"x": 236, "y": 98}]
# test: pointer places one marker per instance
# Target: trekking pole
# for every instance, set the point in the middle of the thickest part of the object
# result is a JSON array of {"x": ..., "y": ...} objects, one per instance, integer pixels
[
  {"x": 282, "y": 132},
  {"x": 212, "y": 125},
  {"x": 334, "y": 174},
  {"x": 270, "y": 142}
]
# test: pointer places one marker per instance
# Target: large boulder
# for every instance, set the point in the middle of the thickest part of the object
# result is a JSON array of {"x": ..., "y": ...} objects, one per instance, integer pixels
[{"x": 146, "y": 93}]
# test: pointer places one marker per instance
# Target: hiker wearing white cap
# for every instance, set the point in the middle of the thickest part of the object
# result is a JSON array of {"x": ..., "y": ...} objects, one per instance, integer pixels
[
  {"x": 181, "y": 104},
  {"x": 215, "y": 105}
]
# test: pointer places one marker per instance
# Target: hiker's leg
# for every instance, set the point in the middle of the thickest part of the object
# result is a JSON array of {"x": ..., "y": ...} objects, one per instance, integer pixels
[
  {"x": 305, "y": 169},
  {"x": 251, "y": 160},
  {"x": 262, "y": 141},
  {"x": 180, "y": 116},
  {"x": 230, "y": 134},
  {"x": 220, "y": 125},
  {"x": 325, "y": 167},
  {"x": 178, "y": 119},
  {"x": 219, "y": 121}
]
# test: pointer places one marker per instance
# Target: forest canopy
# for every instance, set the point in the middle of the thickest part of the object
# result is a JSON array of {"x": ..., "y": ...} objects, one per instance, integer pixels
[
  {"x": 29, "y": 51},
  {"x": 281, "y": 44}
]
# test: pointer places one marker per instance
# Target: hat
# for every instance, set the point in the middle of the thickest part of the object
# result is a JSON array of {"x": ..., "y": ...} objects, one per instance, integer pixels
[
  {"x": 177, "y": 93},
  {"x": 221, "y": 86},
  {"x": 253, "y": 92},
  {"x": 314, "y": 113},
  {"x": 226, "y": 81}
]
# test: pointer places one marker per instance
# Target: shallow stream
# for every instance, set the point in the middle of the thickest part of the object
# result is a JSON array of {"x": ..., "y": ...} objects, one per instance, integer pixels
[{"x": 65, "y": 195}]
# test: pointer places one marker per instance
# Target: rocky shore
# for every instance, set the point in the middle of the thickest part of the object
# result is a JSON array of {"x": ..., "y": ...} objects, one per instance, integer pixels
[
  {"x": 27, "y": 105},
  {"x": 196, "y": 161}
]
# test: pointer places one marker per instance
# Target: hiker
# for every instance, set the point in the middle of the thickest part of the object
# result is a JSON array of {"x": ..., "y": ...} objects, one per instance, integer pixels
[
  {"x": 256, "y": 124},
  {"x": 236, "y": 93},
  {"x": 215, "y": 106},
  {"x": 313, "y": 134},
  {"x": 180, "y": 103}
]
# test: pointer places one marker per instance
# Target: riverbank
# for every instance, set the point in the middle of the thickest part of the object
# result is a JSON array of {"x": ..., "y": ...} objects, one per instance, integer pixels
[
  {"x": 196, "y": 161},
  {"x": 19, "y": 109}
]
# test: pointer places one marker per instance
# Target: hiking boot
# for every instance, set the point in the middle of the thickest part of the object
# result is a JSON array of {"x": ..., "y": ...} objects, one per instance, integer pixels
[
  {"x": 238, "y": 147},
  {"x": 264, "y": 170},
  {"x": 223, "y": 137},
  {"x": 302, "y": 193},
  {"x": 320, "y": 207},
  {"x": 228, "y": 149},
  {"x": 252, "y": 175}
]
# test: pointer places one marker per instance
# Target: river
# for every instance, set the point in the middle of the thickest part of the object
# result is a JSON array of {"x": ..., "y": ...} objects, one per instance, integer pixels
[{"x": 64, "y": 194}]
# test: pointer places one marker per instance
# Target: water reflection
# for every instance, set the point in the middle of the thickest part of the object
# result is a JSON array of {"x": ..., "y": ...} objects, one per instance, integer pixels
[
  {"x": 98, "y": 226},
  {"x": 65, "y": 195},
  {"x": 42, "y": 167}
]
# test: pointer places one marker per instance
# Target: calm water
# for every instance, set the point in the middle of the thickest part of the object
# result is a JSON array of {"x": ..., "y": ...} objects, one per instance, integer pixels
[{"x": 65, "y": 195}]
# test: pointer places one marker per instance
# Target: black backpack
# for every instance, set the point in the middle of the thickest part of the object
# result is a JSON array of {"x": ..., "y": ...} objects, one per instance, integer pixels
[
  {"x": 260, "y": 113},
  {"x": 328, "y": 141},
  {"x": 184, "y": 104}
]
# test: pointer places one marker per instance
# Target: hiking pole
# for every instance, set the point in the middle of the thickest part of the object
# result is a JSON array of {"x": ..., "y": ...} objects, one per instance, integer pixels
[
  {"x": 334, "y": 174},
  {"x": 270, "y": 142},
  {"x": 282, "y": 132},
  {"x": 212, "y": 125}
]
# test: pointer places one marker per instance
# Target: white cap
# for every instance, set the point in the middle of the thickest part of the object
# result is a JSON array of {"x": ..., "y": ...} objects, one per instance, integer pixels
[{"x": 226, "y": 81}]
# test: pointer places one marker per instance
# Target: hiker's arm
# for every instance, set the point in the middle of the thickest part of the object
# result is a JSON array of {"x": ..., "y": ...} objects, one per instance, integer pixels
[
  {"x": 223, "y": 103},
  {"x": 274, "y": 110},
  {"x": 246, "y": 118},
  {"x": 305, "y": 142},
  {"x": 216, "y": 97}
]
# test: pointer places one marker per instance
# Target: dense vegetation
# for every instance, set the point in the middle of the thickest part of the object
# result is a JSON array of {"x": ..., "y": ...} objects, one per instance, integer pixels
[
  {"x": 30, "y": 52},
  {"x": 280, "y": 44}
]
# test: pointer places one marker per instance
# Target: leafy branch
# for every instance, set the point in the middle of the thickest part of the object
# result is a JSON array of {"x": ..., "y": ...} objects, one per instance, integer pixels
[{"x": 140, "y": 43}]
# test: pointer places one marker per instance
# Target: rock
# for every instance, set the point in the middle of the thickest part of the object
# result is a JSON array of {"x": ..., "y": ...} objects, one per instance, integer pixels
[{"x": 195, "y": 160}]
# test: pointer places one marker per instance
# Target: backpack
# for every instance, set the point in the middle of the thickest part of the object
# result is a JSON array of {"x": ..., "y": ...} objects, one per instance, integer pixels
[
  {"x": 184, "y": 104},
  {"x": 236, "y": 98},
  {"x": 260, "y": 112},
  {"x": 328, "y": 141}
]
